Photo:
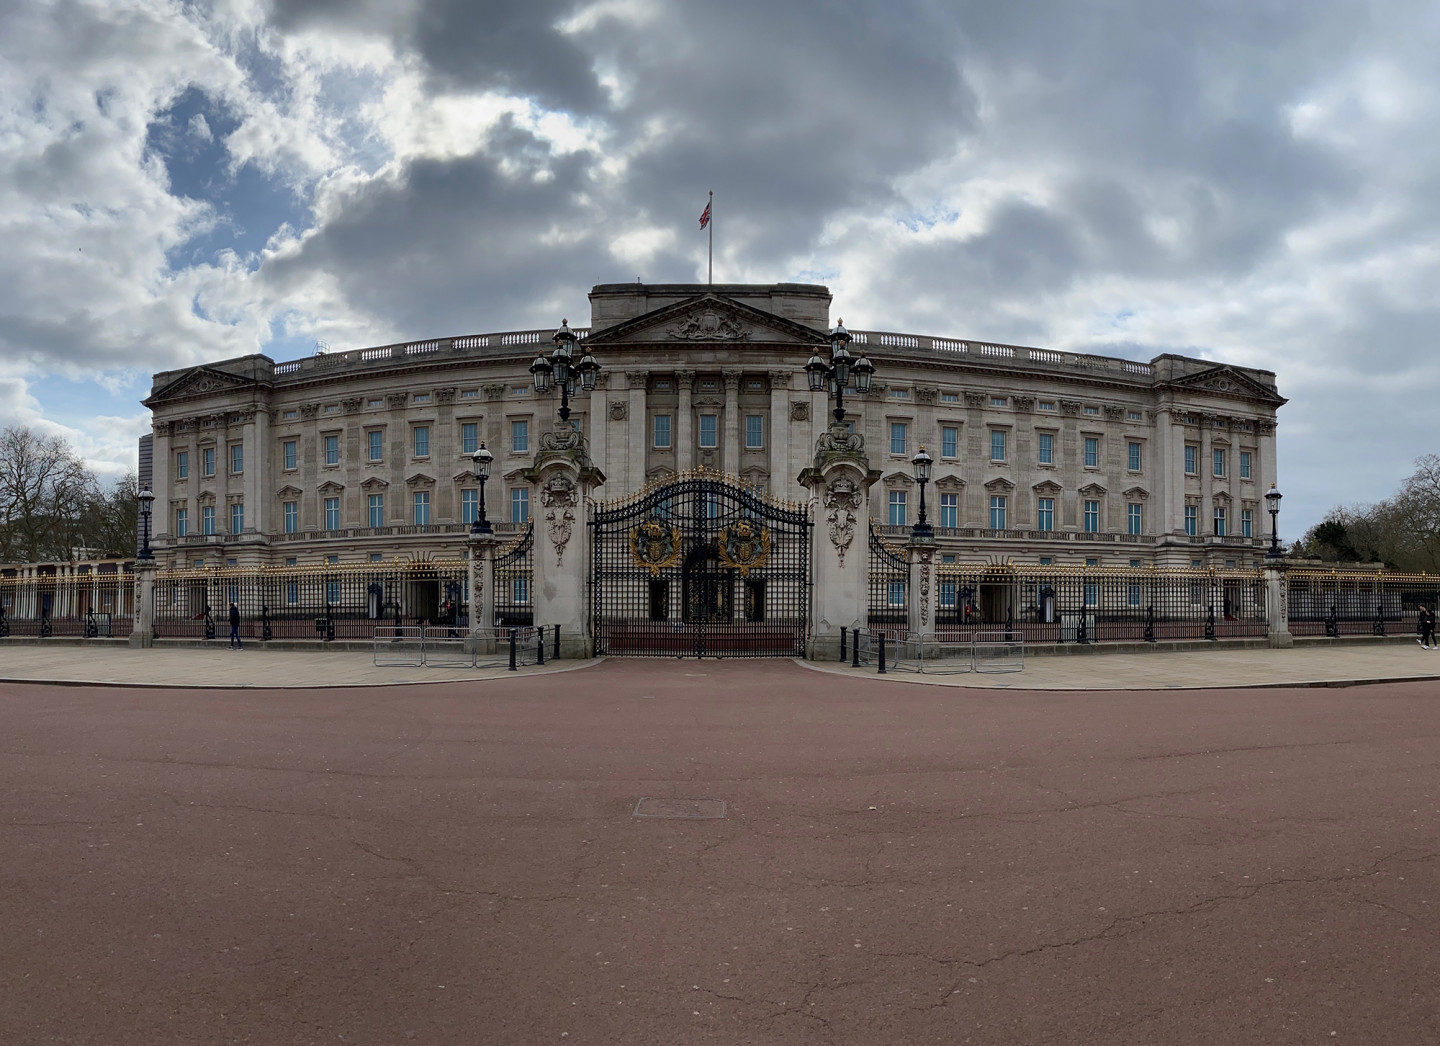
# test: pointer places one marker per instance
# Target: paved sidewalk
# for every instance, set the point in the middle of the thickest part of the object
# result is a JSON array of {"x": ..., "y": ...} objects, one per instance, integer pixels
[
  {"x": 1161, "y": 670},
  {"x": 1219, "y": 667},
  {"x": 229, "y": 669}
]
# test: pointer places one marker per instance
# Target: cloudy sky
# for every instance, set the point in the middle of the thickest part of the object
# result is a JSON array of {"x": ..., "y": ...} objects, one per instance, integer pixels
[{"x": 1247, "y": 181}]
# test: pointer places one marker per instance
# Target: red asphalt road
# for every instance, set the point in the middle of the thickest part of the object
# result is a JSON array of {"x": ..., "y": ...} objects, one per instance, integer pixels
[{"x": 459, "y": 863}]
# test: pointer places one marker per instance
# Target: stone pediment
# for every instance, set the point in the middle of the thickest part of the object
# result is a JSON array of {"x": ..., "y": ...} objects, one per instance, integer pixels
[
  {"x": 899, "y": 479},
  {"x": 1047, "y": 488},
  {"x": 950, "y": 483},
  {"x": 289, "y": 491},
  {"x": 1137, "y": 494},
  {"x": 1095, "y": 490},
  {"x": 710, "y": 318},
  {"x": 419, "y": 479},
  {"x": 331, "y": 487},
  {"x": 659, "y": 474},
  {"x": 1226, "y": 381},
  {"x": 374, "y": 483},
  {"x": 201, "y": 381},
  {"x": 999, "y": 485}
]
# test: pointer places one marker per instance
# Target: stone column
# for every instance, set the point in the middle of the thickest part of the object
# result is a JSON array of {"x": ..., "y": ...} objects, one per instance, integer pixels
[
  {"x": 780, "y": 433},
  {"x": 162, "y": 520},
  {"x": 564, "y": 478},
  {"x": 839, "y": 482},
  {"x": 481, "y": 577},
  {"x": 684, "y": 422},
  {"x": 730, "y": 452},
  {"x": 142, "y": 632},
  {"x": 600, "y": 416},
  {"x": 1277, "y": 604}
]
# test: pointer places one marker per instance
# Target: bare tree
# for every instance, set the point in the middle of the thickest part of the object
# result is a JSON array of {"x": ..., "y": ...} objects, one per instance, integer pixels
[
  {"x": 1402, "y": 531},
  {"x": 44, "y": 491}
]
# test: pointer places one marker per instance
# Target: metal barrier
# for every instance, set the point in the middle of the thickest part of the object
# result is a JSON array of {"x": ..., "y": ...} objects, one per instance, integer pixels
[
  {"x": 445, "y": 647},
  {"x": 400, "y": 646},
  {"x": 945, "y": 657},
  {"x": 995, "y": 652}
]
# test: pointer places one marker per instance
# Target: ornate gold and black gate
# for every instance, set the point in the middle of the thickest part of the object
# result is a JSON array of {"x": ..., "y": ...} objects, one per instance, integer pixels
[{"x": 700, "y": 566}]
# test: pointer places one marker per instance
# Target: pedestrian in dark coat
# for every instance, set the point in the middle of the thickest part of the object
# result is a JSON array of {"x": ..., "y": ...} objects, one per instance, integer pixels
[
  {"x": 1427, "y": 628},
  {"x": 235, "y": 627}
]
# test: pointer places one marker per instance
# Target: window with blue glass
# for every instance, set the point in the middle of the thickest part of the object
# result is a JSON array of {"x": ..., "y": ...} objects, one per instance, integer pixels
[
  {"x": 520, "y": 436},
  {"x": 469, "y": 437},
  {"x": 949, "y": 510},
  {"x": 1245, "y": 523},
  {"x": 207, "y": 519},
  {"x": 182, "y": 522},
  {"x": 287, "y": 453},
  {"x": 182, "y": 465},
  {"x": 1192, "y": 456},
  {"x": 421, "y": 503},
  {"x": 1219, "y": 522},
  {"x": 1192, "y": 519},
  {"x": 377, "y": 445},
  {"x": 997, "y": 512},
  {"x": 709, "y": 431},
  {"x": 897, "y": 508},
  {"x": 1047, "y": 448},
  {"x": 207, "y": 461},
  {"x": 754, "y": 431},
  {"x": 1133, "y": 462},
  {"x": 237, "y": 517},
  {"x": 520, "y": 505},
  {"x": 332, "y": 450},
  {"x": 332, "y": 513},
  {"x": 1092, "y": 517},
  {"x": 422, "y": 441},
  {"x": 376, "y": 509},
  {"x": 1132, "y": 518},
  {"x": 949, "y": 441},
  {"x": 1244, "y": 464},
  {"x": 237, "y": 458},
  {"x": 895, "y": 593},
  {"x": 292, "y": 517},
  {"x": 1218, "y": 463},
  {"x": 1092, "y": 452},
  {"x": 997, "y": 445},
  {"x": 469, "y": 505},
  {"x": 898, "y": 432},
  {"x": 1045, "y": 514},
  {"x": 661, "y": 426}
]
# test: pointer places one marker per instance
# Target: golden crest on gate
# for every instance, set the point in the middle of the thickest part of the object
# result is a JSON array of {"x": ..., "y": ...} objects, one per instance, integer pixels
[
  {"x": 655, "y": 545},
  {"x": 743, "y": 547}
]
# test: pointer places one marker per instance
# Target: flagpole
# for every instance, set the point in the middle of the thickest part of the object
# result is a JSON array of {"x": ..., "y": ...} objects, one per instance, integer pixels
[{"x": 710, "y": 276}]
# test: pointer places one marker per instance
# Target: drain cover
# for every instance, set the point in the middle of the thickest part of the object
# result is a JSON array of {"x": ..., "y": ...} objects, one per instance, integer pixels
[{"x": 685, "y": 809}]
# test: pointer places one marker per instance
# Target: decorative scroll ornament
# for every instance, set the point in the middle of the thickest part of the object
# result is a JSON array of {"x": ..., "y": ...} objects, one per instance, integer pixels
[
  {"x": 744, "y": 547},
  {"x": 655, "y": 545},
  {"x": 839, "y": 440},
  {"x": 842, "y": 501},
  {"x": 925, "y": 557},
  {"x": 561, "y": 439},
  {"x": 618, "y": 411},
  {"x": 708, "y": 326},
  {"x": 558, "y": 497}
]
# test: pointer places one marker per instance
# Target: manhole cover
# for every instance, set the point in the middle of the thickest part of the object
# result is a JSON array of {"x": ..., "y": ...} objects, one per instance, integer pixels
[{"x": 690, "y": 809}]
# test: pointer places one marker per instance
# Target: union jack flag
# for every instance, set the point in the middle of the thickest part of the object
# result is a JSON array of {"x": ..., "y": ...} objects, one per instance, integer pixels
[{"x": 705, "y": 217}]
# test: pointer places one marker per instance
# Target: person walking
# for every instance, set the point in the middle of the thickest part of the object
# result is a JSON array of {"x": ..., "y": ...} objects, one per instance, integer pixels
[
  {"x": 235, "y": 627},
  {"x": 1427, "y": 628}
]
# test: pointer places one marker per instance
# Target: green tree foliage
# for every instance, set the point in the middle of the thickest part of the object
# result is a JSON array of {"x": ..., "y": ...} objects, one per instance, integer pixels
[
  {"x": 1403, "y": 531},
  {"x": 53, "y": 508}
]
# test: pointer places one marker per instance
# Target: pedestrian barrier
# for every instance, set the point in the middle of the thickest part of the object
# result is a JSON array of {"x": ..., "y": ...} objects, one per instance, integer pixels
[
  {"x": 983, "y": 652},
  {"x": 445, "y": 647},
  {"x": 996, "y": 652},
  {"x": 399, "y": 646}
]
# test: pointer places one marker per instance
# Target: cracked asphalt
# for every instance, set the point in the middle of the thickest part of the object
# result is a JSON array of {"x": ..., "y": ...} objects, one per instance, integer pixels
[{"x": 459, "y": 863}]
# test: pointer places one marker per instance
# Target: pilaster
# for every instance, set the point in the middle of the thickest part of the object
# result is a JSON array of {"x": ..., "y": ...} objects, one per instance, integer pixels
[
  {"x": 684, "y": 422},
  {"x": 730, "y": 452}
]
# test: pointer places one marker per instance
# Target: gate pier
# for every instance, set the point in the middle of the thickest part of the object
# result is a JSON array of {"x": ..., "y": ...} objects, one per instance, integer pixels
[{"x": 564, "y": 478}]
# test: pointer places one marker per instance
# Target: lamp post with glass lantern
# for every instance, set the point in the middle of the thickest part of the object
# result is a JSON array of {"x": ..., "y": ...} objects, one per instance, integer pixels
[
  {"x": 482, "y": 458},
  {"x": 1272, "y": 504},
  {"x": 147, "y": 503},
  {"x": 840, "y": 371},
  {"x": 922, "y": 463},
  {"x": 562, "y": 369}
]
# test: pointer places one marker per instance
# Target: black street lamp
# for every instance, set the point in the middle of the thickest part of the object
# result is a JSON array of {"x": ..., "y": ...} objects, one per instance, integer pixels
[
  {"x": 1272, "y": 503},
  {"x": 147, "y": 504},
  {"x": 923, "y": 463},
  {"x": 482, "y": 459},
  {"x": 840, "y": 371},
  {"x": 562, "y": 369}
]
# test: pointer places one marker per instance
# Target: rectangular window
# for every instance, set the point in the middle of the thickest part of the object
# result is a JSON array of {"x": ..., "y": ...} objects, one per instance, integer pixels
[
  {"x": 900, "y": 394},
  {"x": 1092, "y": 591},
  {"x": 1132, "y": 415},
  {"x": 1091, "y": 409},
  {"x": 1047, "y": 448},
  {"x": 897, "y": 508},
  {"x": 754, "y": 431},
  {"x": 997, "y": 445},
  {"x": 1092, "y": 452},
  {"x": 895, "y": 593},
  {"x": 520, "y": 590},
  {"x": 182, "y": 465},
  {"x": 332, "y": 513},
  {"x": 237, "y": 517},
  {"x": 998, "y": 401},
  {"x": 422, "y": 441},
  {"x": 237, "y": 458},
  {"x": 1133, "y": 459},
  {"x": 182, "y": 522},
  {"x": 1219, "y": 462},
  {"x": 1045, "y": 405},
  {"x": 292, "y": 593},
  {"x": 1132, "y": 518},
  {"x": 661, "y": 427},
  {"x": 709, "y": 430},
  {"x": 377, "y": 557},
  {"x": 287, "y": 454},
  {"x": 207, "y": 520},
  {"x": 377, "y": 510},
  {"x": 469, "y": 506},
  {"x": 520, "y": 505},
  {"x": 422, "y": 508},
  {"x": 207, "y": 461},
  {"x": 1132, "y": 595},
  {"x": 289, "y": 415},
  {"x": 949, "y": 397},
  {"x": 1092, "y": 517},
  {"x": 1219, "y": 522},
  {"x": 947, "y": 593},
  {"x": 332, "y": 591},
  {"x": 997, "y": 512},
  {"x": 949, "y": 442},
  {"x": 1192, "y": 518},
  {"x": 1045, "y": 514},
  {"x": 469, "y": 437},
  {"x": 377, "y": 444},
  {"x": 1192, "y": 454},
  {"x": 1245, "y": 523},
  {"x": 897, "y": 437},
  {"x": 332, "y": 449},
  {"x": 1244, "y": 464},
  {"x": 949, "y": 510},
  {"x": 292, "y": 517},
  {"x": 520, "y": 436}
]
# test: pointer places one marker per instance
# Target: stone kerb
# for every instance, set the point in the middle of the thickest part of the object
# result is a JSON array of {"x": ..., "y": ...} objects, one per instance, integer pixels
[
  {"x": 839, "y": 482},
  {"x": 564, "y": 479}
]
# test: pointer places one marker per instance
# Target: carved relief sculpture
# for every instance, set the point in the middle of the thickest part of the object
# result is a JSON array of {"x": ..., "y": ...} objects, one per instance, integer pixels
[
  {"x": 308, "y": 411},
  {"x": 926, "y": 555},
  {"x": 619, "y": 410},
  {"x": 558, "y": 497},
  {"x": 396, "y": 400},
  {"x": 974, "y": 399},
  {"x": 707, "y": 326},
  {"x": 842, "y": 502},
  {"x": 799, "y": 411}
]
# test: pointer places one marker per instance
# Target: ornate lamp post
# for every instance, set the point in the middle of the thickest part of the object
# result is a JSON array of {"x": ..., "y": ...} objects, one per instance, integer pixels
[
  {"x": 482, "y": 459},
  {"x": 1272, "y": 503},
  {"x": 147, "y": 503},
  {"x": 563, "y": 370},
  {"x": 840, "y": 371},
  {"x": 923, "y": 463}
]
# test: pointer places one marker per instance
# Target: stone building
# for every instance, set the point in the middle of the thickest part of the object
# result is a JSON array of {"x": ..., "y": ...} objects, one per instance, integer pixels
[{"x": 1040, "y": 455}]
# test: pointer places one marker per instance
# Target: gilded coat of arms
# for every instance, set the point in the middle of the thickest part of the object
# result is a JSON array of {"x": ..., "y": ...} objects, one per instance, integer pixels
[
  {"x": 744, "y": 547},
  {"x": 655, "y": 546}
]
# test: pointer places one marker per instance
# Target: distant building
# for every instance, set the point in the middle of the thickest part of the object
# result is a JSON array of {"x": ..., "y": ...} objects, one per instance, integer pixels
[{"x": 1040, "y": 455}]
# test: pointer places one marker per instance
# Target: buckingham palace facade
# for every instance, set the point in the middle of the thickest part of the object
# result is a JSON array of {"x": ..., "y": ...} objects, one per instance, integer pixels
[{"x": 1040, "y": 456}]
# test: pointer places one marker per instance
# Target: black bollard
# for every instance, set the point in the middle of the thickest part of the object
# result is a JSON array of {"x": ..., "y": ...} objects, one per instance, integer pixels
[
  {"x": 855, "y": 649},
  {"x": 842, "y": 644},
  {"x": 512, "y": 650},
  {"x": 882, "y": 654},
  {"x": 540, "y": 645},
  {"x": 555, "y": 654}
]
